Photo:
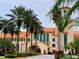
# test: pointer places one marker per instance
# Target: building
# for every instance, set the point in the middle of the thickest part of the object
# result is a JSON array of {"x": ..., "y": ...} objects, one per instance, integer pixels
[{"x": 44, "y": 42}]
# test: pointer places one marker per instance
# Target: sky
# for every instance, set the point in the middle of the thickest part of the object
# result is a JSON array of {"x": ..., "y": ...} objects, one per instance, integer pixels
[{"x": 40, "y": 8}]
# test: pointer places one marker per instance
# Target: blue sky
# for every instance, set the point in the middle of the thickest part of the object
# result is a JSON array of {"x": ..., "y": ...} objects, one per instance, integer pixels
[{"x": 40, "y": 7}]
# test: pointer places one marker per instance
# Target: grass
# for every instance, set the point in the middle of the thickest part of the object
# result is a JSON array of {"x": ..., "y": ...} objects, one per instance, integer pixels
[
  {"x": 5, "y": 58},
  {"x": 68, "y": 58},
  {"x": 9, "y": 58}
]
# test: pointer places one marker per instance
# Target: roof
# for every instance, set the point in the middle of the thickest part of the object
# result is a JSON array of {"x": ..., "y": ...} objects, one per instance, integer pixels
[
  {"x": 76, "y": 34},
  {"x": 22, "y": 35},
  {"x": 53, "y": 31}
]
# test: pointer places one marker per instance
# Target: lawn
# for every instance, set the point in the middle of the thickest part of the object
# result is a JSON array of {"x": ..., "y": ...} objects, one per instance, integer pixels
[
  {"x": 5, "y": 58},
  {"x": 9, "y": 58},
  {"x": 68, "y": 58}
]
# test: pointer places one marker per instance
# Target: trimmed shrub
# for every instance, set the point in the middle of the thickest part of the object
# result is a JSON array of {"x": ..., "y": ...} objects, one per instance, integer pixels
[
  {"x": 22, "y": 54},
  {"x": 10, "y": 55},
  {"x": 32, "y": 54},
  {"x": 26, "y": 54},
  {"x": 10, "y": 52},
  {"x": 2, "y": 53}
]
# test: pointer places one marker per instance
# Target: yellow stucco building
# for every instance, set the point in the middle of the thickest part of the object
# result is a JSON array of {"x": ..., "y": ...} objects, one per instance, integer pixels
[{"x": 45, "y": 42}]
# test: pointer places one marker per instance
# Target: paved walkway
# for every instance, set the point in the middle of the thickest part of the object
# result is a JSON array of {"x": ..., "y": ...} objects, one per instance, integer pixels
[{"x": 41, "y": 57}]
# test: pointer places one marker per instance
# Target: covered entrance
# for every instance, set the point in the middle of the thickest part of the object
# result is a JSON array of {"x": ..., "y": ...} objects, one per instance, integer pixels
[{"x": 34, "y": 48}]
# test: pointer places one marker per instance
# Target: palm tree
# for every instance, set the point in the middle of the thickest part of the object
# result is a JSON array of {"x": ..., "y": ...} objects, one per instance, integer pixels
[
  {"x": 74, "y": 7},
  {"x": 61, "y": 23},
  {"x": 17, "y": 16},
  {"x": 27, "y": 21},
  {"x": 36, "y": 28},
  {"x": 4, "y": 26},
  {"x": 12, "y": 30}
]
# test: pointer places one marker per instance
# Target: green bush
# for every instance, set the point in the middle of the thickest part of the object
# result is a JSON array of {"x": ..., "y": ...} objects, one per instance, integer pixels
[
  {"x": 21, "y": 54},
  {"x": 32, "y": 54},
  {"x": 10, "y": 52},
  {"x": 2, "y": 53},
  {"x": 10, "y": 55},
  {"x": 26, "y": 54}
]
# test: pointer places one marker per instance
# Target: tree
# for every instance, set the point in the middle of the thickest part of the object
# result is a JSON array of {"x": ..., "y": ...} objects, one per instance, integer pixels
[
  {"x": 12, "y": 30},
  {"x": 35, "y": 28},
  {"x": 61, "y": 22},
  {"x": 29, "y": 23},
  {"x": 26, "y": 23},
  {"x": 61, "y": 3},
  {"x": 17, "y": 15},
  {"x": 4, "y": 26},
  {"x": 6, "y": 46},
  {"x": 75, "y": 45}
]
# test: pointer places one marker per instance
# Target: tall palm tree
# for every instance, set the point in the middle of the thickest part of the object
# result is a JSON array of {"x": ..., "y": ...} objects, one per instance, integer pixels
[
  {"x": 12, "y": 30},
  {"x": 61, "y": 23},
  {"x": 28, "y": 17},
  {"x": 4, "y": 26},
  {"x": 36, "y": 28},
  {"x": 74, "y": 7},
  {"x": 17, "y": 16}
]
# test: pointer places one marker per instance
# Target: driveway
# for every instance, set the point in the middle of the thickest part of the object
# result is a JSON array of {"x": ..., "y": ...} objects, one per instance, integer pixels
[{"x": 41, "y": 57}]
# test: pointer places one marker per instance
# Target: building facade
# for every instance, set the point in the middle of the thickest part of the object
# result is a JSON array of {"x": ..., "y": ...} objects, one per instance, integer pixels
[{"x": 44, "y": 42}]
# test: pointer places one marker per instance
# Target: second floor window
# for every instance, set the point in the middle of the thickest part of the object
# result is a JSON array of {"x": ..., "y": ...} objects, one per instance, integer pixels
[
  {"x": 53, "y": 39},
  {"x": 53, "y": 45}
]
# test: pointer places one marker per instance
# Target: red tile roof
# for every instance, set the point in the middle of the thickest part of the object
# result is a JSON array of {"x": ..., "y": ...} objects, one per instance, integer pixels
[
  {"x": 22, "y": 35},
  {"x": 51, "y": 30},
  {"x": 47, "y": 30},
  {"x": 76, "y": 34}
]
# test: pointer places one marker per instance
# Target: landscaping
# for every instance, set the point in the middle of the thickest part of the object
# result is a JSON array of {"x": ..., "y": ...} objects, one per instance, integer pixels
[
  {"x": 68, "y": 58},
  {"x": 5, "y": 58}
]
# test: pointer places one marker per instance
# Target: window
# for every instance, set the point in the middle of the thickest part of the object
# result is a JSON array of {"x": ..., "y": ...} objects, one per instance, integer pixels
[
  {"x": 28, "y": 39},
  {"x": 65, "y": 13},
  {"x": 65, "y": 39},
  {"x": 53, "y": 39},
  {"x": 15, "y": 40},
  {"x": 40, "y": 37},
  {"x": 47, "y": 37},
  {"x": 53, "y": 45},
  {"x": 44, "y": 37},
  {"x": 24, "y": 39},
  {"x": 37, "y": 37},
  {"x": 21, "y": 39}
]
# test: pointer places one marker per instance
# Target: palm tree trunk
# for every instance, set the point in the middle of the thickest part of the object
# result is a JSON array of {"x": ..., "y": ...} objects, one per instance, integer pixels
[
  {"x": 11, "y": 38},
  {"x": 60, "y": 41},
  {"x": 31, "y": 39},
  {"x": 5, "y": 42},
  {"x": 4, "y": 37},
  {"x": 35, "y": 42},
  {"x": 17, "y": 45},
  {"x": 26, "y": 38}
]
